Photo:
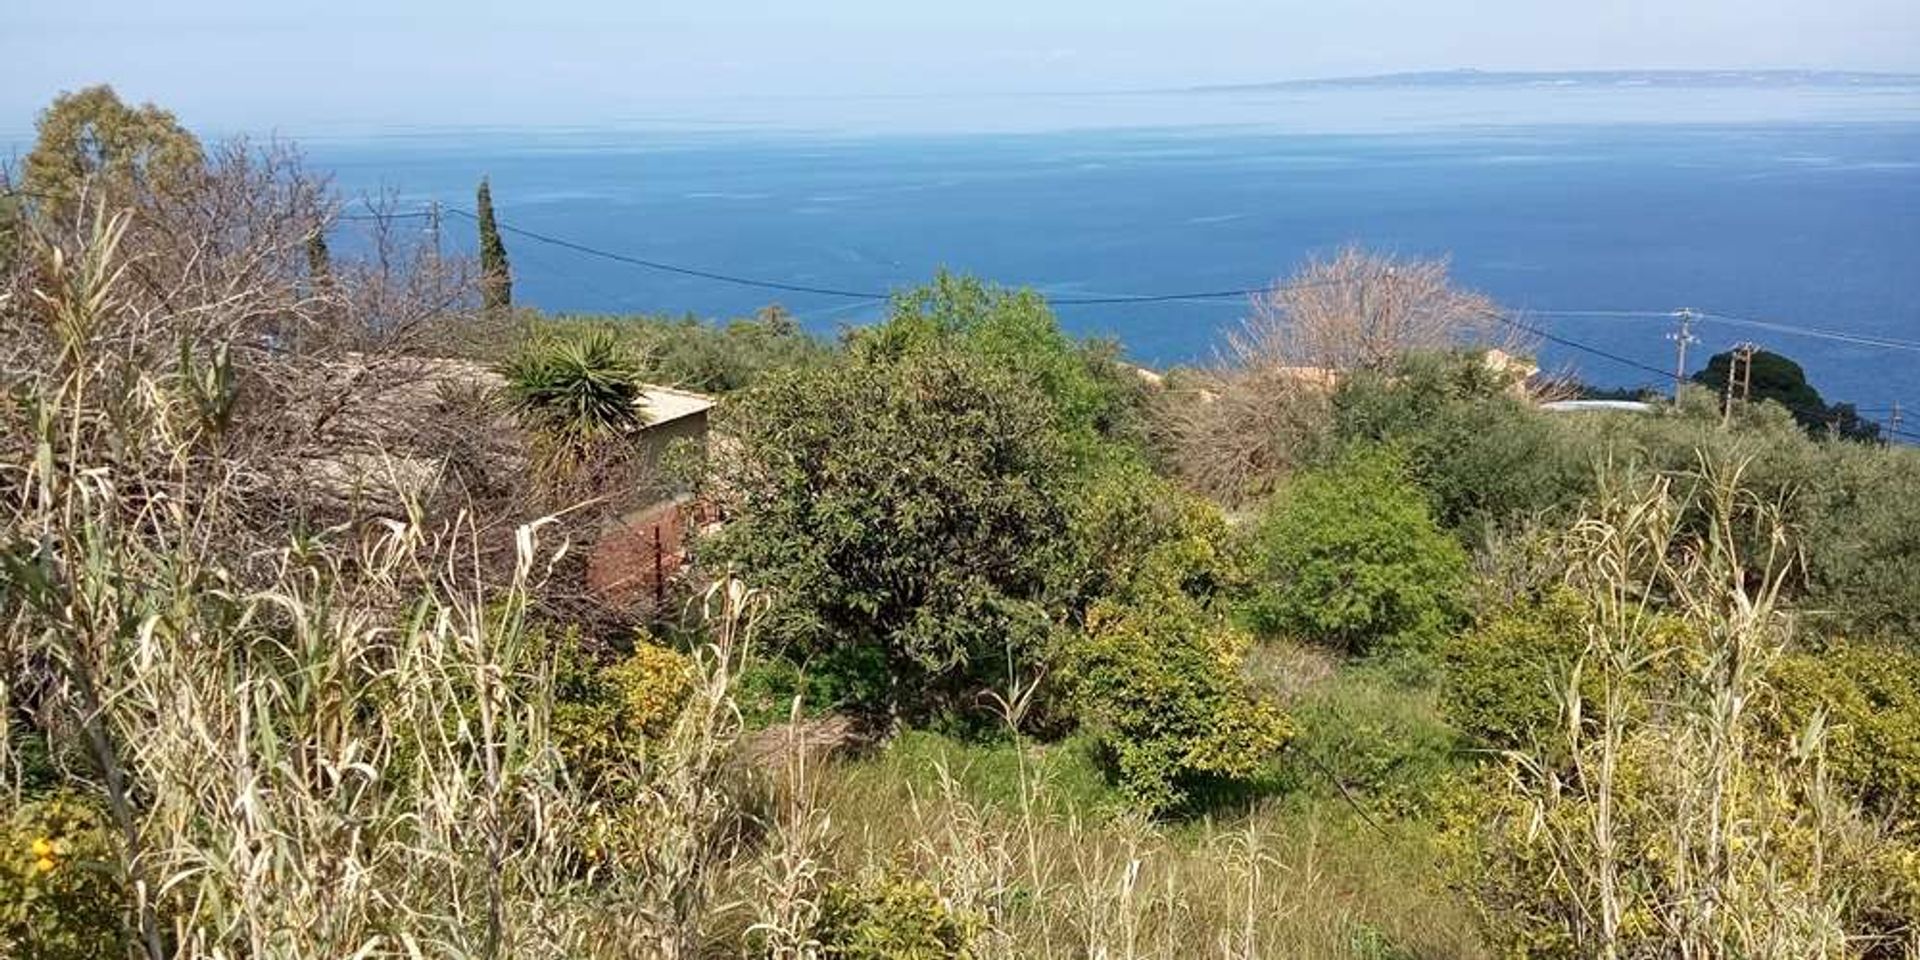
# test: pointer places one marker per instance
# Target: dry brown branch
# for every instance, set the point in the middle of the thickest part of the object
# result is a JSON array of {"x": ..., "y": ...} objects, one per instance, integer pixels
[
  {"x": 1363, "y": 311},
  {"x": 1263, "y": 407}
]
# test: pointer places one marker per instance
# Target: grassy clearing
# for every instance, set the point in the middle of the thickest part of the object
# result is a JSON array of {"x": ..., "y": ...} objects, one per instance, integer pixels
[{"x": 1034, "y": 837}]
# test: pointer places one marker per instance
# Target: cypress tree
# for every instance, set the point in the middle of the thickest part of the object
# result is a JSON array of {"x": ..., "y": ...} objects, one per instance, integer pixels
[
  {"x": 319, "y": 260},
  {"x": 496, "y": 278}
]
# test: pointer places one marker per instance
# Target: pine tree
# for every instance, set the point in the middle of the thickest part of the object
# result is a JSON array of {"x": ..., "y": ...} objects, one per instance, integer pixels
[{"x": 496, "y": 277}]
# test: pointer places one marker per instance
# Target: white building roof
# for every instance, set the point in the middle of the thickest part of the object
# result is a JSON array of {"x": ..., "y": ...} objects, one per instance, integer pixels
[
  {"x": 665, "y": 404},
  {"x": 1576, "y": 406}
]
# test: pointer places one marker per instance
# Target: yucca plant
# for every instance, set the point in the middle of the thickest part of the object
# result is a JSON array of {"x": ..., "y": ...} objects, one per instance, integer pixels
[{"x": 577, "y": 391}]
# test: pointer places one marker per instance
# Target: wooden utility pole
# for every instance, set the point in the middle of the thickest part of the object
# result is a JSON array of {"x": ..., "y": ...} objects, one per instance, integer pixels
[
  {"x": 1681, "y": 338},
  {"x": 1739, "y": 380}
]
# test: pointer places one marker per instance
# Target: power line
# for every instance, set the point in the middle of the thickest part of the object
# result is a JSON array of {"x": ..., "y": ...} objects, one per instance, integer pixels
[
  {"x": 1892, "y": 430},
  {"x": 673, "y": 268},
  {"x": 868, "y": 295},
  {"x": 1842, "y": 336}
]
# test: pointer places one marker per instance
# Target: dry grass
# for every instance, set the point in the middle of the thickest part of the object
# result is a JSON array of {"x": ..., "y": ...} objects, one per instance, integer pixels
[{"x": 1282, "y": 881}]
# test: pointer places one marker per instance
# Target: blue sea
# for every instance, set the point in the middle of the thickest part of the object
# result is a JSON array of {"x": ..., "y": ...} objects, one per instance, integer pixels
[{"x": 1799, "y": 208}]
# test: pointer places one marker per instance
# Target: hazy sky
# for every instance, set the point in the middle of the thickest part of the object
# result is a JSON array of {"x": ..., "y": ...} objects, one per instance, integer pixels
[{"x": 294, "y": 64}]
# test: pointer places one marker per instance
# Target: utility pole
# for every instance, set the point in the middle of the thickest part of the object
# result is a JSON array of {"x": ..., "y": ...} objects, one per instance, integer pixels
[
  {"x": 1681, "y": 338},
  {"x": 433, "y": 228},
  {"x": 1739, "y": 380}
]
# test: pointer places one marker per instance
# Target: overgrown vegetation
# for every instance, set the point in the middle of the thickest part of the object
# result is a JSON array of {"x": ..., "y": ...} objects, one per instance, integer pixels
[{"x": 1000, "y": 649}]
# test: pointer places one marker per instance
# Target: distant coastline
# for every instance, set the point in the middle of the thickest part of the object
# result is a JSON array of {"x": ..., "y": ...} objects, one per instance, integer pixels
[{"x": 1583, "y": 78}]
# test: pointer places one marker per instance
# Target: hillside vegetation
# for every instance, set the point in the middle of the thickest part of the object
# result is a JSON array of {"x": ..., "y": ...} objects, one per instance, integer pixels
[{"x": 1341, "y": 647}]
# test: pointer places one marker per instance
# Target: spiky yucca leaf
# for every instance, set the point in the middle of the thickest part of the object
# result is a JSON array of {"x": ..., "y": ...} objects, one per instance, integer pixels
[{"x": 577, "y": 390}]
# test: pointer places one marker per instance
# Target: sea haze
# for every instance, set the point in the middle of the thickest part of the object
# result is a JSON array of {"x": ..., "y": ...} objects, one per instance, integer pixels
[{"x": 1793, "y": 204}]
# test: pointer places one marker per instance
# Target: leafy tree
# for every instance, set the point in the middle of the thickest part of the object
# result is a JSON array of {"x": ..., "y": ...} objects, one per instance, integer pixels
[
  {"x": 496, "y": 276},
  {"x": 1777, "y": 378},
  {"x": 1094, "y": 398},
  {"x": 90, "y": 139},
  {"x": 576, "y": 391},
  {"x": 910, "y": 506},
  {"x": 1349, "y": 557}
]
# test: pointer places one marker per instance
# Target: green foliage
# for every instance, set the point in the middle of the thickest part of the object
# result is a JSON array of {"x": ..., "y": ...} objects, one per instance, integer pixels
[
  {"x": 892, "y": 919},
  {"x": 122, "y": 154},
  {"x": 847, "y": 677},
  {"x": 496, "y": 276},
  {"x": 1348, "y": 556},
  {"x": 576, "y": 391},
  {"x": 1870, "y": 698},
  {"x": 907, "y": 505},
  {"x": 709, "y": 357},
  {"x": 1366, "y": 735},
  {"x": 1859, "y": 523},
  {"x": 1158, "y": 681},
  {"x": 1782, "y": 381},
  {"x": 604, "y": 717},
  {"x": 1065, "y": 778},
  {"x": 1854, "y": 509},
  {"x": 60, "y": 897},
  {"x": 1501, "y": 680},
  {"x": 1092, "y": 395},
  {"x": 1131, "y": 528},
  {"x": 1485, "y": 457}
]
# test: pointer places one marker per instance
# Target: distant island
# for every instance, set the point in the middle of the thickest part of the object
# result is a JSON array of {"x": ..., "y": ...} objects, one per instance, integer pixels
[{"x": 1585, "y": 78}]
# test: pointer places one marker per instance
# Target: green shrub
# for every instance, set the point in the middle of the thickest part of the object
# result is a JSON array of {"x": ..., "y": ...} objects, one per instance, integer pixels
[
  {"x": 1485, "y": 457},
  {"x": 60, "y": 897},
  {"x": 1859, "y": 521},
  {"x": 605, "y": 716},
  {"x": 1094, "y": 399},
  {"x": 1365, "y": 735},
  {"x": 910, "y": 506},
  {"x": 892, "y": 919},
  {"x": 838, "y": 678},
  {"x": 1349, "y": 557},
  {"x": 1158, "y": 681},
  {"x": 1500, "y": 681},
  {"x": 1130, "y": 528},
  {"x": 1870, "y": 696}
]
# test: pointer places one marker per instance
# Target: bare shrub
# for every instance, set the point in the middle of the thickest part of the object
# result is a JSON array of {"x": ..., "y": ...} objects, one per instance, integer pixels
[
  {"x": 1263, "y": 407},
  {"x": 1363, "y": 311}
]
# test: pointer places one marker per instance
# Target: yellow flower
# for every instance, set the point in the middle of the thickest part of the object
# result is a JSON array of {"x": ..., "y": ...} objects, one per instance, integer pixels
[
  {"x": 42, "y": 848},
  {"x": 45, "y": 864}
]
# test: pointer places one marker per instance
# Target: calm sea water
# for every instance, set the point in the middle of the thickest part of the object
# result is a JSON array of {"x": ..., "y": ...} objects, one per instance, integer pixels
[{"x": 1758, "y": 205}]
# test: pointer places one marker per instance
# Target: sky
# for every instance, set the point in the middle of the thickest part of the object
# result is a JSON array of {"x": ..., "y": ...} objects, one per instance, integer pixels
[{"x": 294, "y": 65}]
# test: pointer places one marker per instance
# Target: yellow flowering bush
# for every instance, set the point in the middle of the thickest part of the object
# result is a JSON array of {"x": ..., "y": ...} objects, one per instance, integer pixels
[
  {"x": 60, "y": 898},
  {"x": 892, "y": 919},
  {"x": 604, "y": 716},
  {"x": 1159, "y": 683}
]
